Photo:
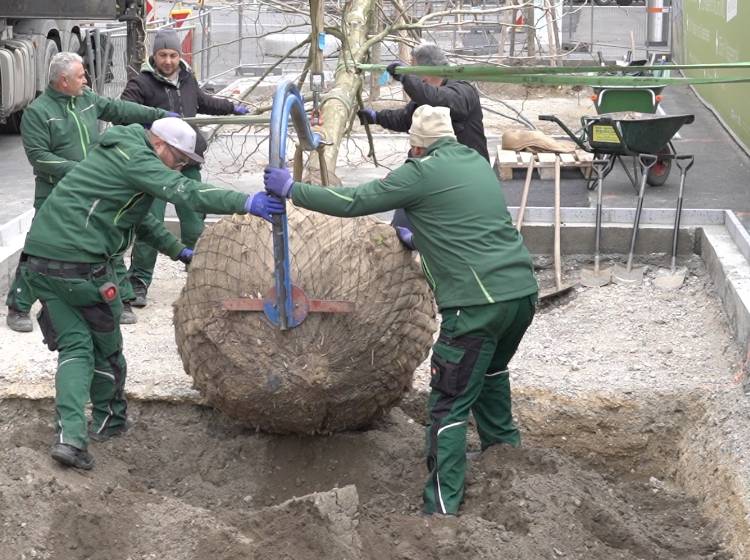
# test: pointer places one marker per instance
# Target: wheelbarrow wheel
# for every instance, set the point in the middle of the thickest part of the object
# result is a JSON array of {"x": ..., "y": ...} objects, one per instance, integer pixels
[{"x": 659, "y": 173}]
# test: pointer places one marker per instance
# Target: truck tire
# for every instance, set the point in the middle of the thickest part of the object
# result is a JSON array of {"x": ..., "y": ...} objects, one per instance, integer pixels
[
  {"x": 50, "y": 50},
  {"x": 624, "y": 2},
  {"x": 13, "y": 124}
]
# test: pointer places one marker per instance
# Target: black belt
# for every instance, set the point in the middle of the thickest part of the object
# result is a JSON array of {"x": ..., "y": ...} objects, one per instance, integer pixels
[{"x": 63, "y": 269}]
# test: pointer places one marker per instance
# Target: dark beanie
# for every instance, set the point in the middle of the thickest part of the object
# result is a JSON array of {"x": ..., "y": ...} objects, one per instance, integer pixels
[{"x": 167, "y": 39}]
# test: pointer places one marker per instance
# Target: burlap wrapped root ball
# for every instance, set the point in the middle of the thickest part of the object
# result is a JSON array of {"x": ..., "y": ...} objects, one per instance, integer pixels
[{"x": 334, "y": 371}]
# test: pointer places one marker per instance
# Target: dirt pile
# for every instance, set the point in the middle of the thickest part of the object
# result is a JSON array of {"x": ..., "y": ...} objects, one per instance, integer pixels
[{"x": 186, "y": 483}]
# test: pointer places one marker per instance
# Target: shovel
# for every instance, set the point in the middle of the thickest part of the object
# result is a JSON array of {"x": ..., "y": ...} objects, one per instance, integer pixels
[
  {"x": 525, "y": 194},
  {"x": 627, "y": 274},
  {"x": 596, "y": 277},
  {"x": 672, "y": 279},
  {"x": 559, "y": 288}
]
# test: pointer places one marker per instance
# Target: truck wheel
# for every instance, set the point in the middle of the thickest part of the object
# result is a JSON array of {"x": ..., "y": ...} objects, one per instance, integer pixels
[
  {"x": 13, "y": 124},
  {"x": 49, "y": 51},
  {"x": 624, "y": 2}
]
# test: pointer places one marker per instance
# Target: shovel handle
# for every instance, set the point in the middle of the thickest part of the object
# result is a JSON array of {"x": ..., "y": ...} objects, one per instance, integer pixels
[
  {"x": 525, "y": 194},
  {"x": 558, "y": 264}
]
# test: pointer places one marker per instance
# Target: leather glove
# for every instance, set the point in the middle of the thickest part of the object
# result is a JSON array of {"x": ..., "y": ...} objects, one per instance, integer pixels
[
  {"x": 186, "y": 255},
  {"x": 392, "y": 70},
  {"x": 264, "y": 206},
  {"x": 278, "y": 181},
  {"x": 406, "y": 237},
  {"x": 367, "y": 116},
  {"x": 241, "y": 110},
  {"x": 175, "y": 115}
]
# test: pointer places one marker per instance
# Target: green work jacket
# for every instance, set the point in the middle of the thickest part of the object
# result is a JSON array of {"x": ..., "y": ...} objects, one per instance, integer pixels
[
  {"x": 471, "y": 253},
  {"x": 94, "y": 212},
  {"x": 59, "y": 130}
]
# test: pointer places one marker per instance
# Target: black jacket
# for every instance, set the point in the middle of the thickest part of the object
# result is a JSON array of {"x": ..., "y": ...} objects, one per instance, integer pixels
[
  {"x": 462, "y": 99},
  {"x": 151, "y": 89}
]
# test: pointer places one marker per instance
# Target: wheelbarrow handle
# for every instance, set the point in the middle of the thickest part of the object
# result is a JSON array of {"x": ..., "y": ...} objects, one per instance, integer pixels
[{"x": 569, "y": 132}]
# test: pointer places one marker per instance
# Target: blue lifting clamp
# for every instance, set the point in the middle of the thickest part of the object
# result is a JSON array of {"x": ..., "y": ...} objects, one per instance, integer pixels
[{"x": 287, "y": 305}]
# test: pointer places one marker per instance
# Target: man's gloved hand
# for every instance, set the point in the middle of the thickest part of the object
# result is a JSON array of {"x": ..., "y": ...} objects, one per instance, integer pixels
[
  {"x": 241, "y": 109},
  {"x": 186, "y": 255},
  {"x": 392, "y": 70},
  {"x": 264, "y": 206},
  {"x": 175, "y": 115},
  {"x": 367, "y": 116},
  {"x": 278, "y": 181},
  {"x": 406, "y": 237}
]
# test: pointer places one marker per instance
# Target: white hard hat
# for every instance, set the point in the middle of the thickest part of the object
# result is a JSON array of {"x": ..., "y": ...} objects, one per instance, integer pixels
[{"x": 178, "y": 134}]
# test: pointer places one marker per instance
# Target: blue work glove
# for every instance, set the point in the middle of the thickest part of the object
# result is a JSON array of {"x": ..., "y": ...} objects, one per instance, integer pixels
[
  {"x": 264, "y": 206},
  {"x": 406, "y": 237},
  {"x": 172, "y": 114},
  {"x": 186, "y": 255},
  {"x": 278, "y": 181},
  {"x": 392, "y": 70},
  {"x": 367, "y": 116},
  {"x": 241, "y": 110}
]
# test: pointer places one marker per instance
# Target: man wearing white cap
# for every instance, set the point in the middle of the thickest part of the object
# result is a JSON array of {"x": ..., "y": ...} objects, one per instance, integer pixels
[
  {"x": 89, "y": 220},
  {"x": 481, "y": 275}
]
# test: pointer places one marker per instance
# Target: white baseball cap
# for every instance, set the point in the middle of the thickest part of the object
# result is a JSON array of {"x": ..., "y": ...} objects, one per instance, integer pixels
[{"x": 178, "y": 134}]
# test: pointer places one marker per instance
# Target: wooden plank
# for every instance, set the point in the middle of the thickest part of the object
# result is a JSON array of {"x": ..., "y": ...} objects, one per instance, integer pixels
[
  {"x": 526, "y": 157},
  {"x": 546, "y": 165},
  {"x": 567, "y": 160}
]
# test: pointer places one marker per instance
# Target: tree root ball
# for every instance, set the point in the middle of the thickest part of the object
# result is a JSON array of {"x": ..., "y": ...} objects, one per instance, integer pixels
[{"x": 335, "y": 371}]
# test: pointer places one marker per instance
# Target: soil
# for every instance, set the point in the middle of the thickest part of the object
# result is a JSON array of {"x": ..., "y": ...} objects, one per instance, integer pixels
[{"x": 626, "y": 396}]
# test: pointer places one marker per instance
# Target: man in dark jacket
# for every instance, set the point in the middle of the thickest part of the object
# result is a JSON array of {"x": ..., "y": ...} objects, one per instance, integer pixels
[
  {"x": 166, "y": 82},
  {"x": 459, "y": 96}
]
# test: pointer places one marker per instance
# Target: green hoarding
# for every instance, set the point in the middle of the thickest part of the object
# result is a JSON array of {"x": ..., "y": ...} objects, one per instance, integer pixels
[{"x": 719, "y": 31}]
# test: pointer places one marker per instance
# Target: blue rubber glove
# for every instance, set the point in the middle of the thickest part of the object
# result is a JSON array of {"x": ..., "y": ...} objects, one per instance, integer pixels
[
  {"x": 278, "y": 181},
  {"x": 241, "y": 110},
  {"x": 264, "y": 206},
  {"x": 406, "y": 237},
  {"x": 392, "y": 70},
  {"x": 367, "y": 116},
  {"x": 172, "y": 114},
  {"x": 186, "y": 255}
]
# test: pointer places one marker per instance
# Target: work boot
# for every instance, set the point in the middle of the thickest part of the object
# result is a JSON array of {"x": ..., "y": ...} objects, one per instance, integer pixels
[
  {"x": 111, "y": 433},
  {"x": 19, "y": 321},
  {"x": 141, "y": 291},
  {"x": 72, "y": 456},
  {"x": 128, "y": 317}
]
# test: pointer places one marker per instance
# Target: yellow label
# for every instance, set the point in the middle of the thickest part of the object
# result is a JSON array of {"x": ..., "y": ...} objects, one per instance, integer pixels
[{"x": 604, "y": 133}]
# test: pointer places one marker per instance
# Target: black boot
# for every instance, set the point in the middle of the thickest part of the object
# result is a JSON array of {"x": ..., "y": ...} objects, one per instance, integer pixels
[
  {"x": 19, "y": 321},
  {"x": 141, "y": 292},
  {"x": 72, "y": 456},
  {"x": 128, "y": 316}
]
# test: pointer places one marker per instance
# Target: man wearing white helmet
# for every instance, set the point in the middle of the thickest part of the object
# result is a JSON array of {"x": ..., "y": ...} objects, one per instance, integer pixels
[
  {"x": 89, "y": 220},
  {"x": 481, "y": 275}
]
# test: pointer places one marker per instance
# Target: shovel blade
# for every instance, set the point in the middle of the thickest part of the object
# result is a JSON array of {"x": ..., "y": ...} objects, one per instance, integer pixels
[
  {"x": 555, "y": 291},
  {"x": 668, "y": 279},
  {"x": 593, "y": 278},
  {"x": 634, "y": 276}
]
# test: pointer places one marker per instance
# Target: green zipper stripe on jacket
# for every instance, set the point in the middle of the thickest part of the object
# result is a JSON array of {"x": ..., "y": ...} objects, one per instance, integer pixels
[
  {"x": 127, "y": 206},
  {"x": 78, "y": 124},
  {"x": 341, "y": 196},
  {"x": 126, "y": 156},
  {"x": 481, "y": 286},
  {"x": 427, "y": 273}
]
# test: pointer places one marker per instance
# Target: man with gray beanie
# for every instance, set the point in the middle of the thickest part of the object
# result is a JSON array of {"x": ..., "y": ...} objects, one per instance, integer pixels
[
  {"x": 479, "y": 270},
  {"x": 459, "y": 96},
  {"x": 166, "y": 81}
]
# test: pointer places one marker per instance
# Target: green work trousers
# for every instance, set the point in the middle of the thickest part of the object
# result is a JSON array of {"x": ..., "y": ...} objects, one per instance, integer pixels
[
  {"x": 470, "y": 374},
  {"x": 143, "y": 258},
  {"x": 84, "y": 328}
]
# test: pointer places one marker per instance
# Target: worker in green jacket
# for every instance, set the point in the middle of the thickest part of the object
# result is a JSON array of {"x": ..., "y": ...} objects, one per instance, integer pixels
[
  {"x": 58, "y": 129},
  {"x": 77, "y": 235},
  {"x": 481, "y": 275}
]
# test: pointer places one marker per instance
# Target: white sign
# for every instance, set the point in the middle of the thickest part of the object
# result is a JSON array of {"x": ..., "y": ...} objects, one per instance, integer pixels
[{"x": 731, "y": 9}]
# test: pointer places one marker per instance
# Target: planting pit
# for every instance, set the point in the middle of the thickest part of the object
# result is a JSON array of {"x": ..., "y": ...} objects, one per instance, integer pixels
[{"x": 629, "y": 400}]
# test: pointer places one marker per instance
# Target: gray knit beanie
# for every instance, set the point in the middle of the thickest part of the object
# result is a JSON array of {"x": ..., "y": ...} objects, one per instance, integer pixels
[{"x": 167, "y": 39}]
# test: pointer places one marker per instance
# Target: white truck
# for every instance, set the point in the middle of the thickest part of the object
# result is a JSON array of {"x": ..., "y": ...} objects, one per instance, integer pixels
[{"x": 32, "y": 32}]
